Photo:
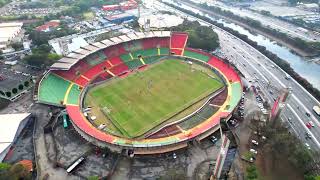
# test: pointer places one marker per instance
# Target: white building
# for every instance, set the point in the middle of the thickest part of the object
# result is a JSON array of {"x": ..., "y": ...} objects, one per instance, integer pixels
[{"x": 8, "y": 31}]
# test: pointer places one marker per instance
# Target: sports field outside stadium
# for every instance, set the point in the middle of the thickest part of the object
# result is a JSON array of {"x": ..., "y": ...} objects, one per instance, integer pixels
[{"x": 141, "y": 101}]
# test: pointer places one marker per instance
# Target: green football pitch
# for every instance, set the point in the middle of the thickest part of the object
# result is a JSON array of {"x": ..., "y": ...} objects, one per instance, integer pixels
[{"x": 141, "y": 101}]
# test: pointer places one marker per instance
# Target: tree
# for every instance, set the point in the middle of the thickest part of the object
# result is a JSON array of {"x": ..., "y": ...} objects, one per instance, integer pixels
[
  {"x": 16, "y": 171},
  {"x": 8, "y": 94},
  {"x": 200, "y": 37},
  {"x": 4, "y": 166},
  {"x": 252, "y": 173},
  {"x": 17, "y": 45},
  {"x": 20, "y": 87},
  {"x": 14, "y": 90},
  {"x": 26, "y": 84}
]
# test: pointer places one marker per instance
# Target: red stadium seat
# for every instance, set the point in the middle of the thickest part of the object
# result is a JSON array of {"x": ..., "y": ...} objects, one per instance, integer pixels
[
  {"x": 115, "y": 61},
  {"x": 119, "y": 69},
  {"x": 114, "y": 51},
  {"x": 155, "y": 43},
  {"x": 178, "y": 40},
  {"x": 71, "y": 74},
  {"x": 81, "y": 81},
  {"x": 223, "y": 67}
]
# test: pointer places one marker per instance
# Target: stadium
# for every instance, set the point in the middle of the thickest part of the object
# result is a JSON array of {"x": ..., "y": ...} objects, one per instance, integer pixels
[{"x": 144, "y": 92}]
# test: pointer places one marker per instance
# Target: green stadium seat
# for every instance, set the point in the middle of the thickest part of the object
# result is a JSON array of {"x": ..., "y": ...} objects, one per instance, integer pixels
[
  {"x": 133, "y": 64},
  {"x": 152, "y": 59},
  {"x": 195, "y": 55},
  {"x": 53, "y": 89},
  {"x": 164, "y": 51},
  {"x": 95, "y": 58},
  {"x": 145, "y": 53},
  {"x": 125, "y": 57},
  {"x": 74, "y": 94}
]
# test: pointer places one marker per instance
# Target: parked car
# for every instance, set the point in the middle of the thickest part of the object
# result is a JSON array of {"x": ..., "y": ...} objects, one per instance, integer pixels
[
  {"x": 253, "y": 151},
  {"x": 213, "y": 139},
  {"x": 255, "y": 142},
  {"x": 174, "y": 155}
]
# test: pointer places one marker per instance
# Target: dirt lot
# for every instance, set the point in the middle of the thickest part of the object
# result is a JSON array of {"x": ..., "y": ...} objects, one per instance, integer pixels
[{"x": 271, "y": 169}]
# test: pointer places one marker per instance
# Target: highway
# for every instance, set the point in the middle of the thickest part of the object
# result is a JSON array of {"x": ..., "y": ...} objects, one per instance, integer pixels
[{"x": 255, "y": 65}]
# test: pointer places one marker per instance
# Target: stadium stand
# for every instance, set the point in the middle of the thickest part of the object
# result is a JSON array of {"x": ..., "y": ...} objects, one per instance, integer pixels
[
  {"x": 197, "y": 118},
  {"x": 167, "y": 131},
  {"x": 196, "y": 55},
  {"x": 82, "y": 81},
  {"x": 126, "y": 57},
  {"x": 105, "y": 75},
  {"x": 235, "y": 96},
  {"x": 178, "y": 40},
  {"x": 73, "y": 95},
  {"x": 163, "y": 51},
  {"x": 74, "y": 71},
  {"x": 150, "y": 60},
  {"x": 133, "y": 64},
  {"x": 176, "y": 52},
  {"x": 69, "y": 75},
  {"x": 228, "y": 71},
  {"x": 53, "y": 89},
  {"x": 95, "y": 58},
  {"x": 145, "y": 53},
  {"x": 155, "y": 43},
  {"x": 114, "y": 51},
  {"x": 163, "y": 43},
  {"x": 133, "y": 45},
  {"x": 119, "y": 69},
  {"x": 97, "y": 69},
  {"x": 115, "y": 61}
]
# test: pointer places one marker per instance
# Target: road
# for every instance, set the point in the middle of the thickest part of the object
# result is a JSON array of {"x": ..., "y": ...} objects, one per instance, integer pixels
[{"x": 258, "y": 67}]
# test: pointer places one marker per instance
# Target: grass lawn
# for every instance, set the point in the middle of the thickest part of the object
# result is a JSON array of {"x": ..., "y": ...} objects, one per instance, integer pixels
[
  {"x": 143, "y": 100},
  {"x": 89, "y": 15}
]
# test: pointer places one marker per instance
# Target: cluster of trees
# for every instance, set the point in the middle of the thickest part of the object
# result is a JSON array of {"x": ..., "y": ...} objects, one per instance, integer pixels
[
  {"x": 280, "y": 62},
  {"x": 41, "y": 56},
  {"x": 200, "y": 37},
  {"x": 39, "y": 38},
  {"x": 297, "y": 42},
  {"x": 16, "y": 171}
]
